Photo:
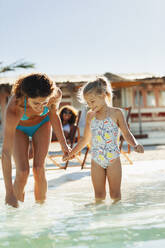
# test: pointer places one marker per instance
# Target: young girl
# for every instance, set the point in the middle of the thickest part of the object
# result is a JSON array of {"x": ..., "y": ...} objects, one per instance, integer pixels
[{"x": 102, "y": 127}]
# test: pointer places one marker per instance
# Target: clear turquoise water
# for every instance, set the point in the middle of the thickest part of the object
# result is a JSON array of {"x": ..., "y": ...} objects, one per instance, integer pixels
[{"x": 68, "y": 220}]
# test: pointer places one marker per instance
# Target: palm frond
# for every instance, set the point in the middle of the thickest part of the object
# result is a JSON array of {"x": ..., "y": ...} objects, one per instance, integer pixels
[{"x": 16, "y": 65}]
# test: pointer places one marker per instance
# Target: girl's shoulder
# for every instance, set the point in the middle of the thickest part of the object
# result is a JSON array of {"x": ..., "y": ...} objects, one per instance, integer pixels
[
  {"x": 116, "y": 114},
  {"x": 115, "y": 111}
]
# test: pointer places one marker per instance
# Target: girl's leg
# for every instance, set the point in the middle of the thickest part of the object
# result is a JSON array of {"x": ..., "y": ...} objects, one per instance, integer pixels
[
  {"x": 41, "y": 141},
  {"x": 98, "y": 175},
  {"x": 114, "y": 174},
  {"x": 20, "y": 154}
]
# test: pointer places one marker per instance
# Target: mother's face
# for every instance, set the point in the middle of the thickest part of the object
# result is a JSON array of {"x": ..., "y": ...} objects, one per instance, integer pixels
[{"x": 38, "y": 103}]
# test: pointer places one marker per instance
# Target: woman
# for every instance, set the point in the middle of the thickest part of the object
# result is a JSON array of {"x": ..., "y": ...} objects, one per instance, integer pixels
[{"x": 31, "y": 111}]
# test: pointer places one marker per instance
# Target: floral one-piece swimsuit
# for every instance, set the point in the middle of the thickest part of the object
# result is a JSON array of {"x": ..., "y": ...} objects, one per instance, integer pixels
[{"x": 105, "y": 141}]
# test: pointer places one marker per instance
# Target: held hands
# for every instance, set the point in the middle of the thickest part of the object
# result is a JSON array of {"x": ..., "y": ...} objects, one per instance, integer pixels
[
  {"x": 67, "y": 153},
  {"x": 66, "y": 149},
  {"x": 68, "y": 156},
  {"x": 139, "y": 148}
]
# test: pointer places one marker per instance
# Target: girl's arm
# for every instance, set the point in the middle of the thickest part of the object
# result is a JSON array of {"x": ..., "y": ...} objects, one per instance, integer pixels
[
  {"x": 128, "y": 136},
  {"x": 85, "y": 139},
  {"x": 56, "y": 121},
  {"x": 12, "y": 119}
]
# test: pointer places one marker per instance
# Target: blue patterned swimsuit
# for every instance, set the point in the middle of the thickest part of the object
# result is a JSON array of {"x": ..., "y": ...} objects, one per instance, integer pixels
[
  {"x": 105, "y": 139},
  {"x": 30, "y": 130}
]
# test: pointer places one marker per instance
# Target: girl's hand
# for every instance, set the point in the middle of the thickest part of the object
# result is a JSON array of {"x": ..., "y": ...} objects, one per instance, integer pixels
[
  {"x": 65, "y": 157},
  {"x": 91, "y": 113},
  {"x": 139, "y": 148}
]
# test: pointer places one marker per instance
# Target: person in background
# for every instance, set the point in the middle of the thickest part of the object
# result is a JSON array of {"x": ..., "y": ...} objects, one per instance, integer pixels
[
  {"x": 31, "y": 111},
  {"x": 102, "y": 128},
  {"x": 68, "y": 115}
]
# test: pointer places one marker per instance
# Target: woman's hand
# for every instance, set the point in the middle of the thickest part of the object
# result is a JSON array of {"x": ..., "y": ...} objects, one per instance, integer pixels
[
  {"x": 55, "y": 100},
  {"x": 11, "y": 200},
  {"x": 139, "y": 148},
  {"x": 66, "y": 150}
]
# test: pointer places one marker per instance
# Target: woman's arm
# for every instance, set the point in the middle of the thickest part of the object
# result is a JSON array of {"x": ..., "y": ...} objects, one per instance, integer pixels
[
  {"x": 11, "y": 121},
  {"x": 128, "y": 136},
  {"x": 56, "y": 121},
  {"x": 57, "y": 128}
]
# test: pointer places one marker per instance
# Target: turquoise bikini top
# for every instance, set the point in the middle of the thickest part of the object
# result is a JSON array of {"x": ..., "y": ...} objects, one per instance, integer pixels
[{"x": 25, "y": 117}]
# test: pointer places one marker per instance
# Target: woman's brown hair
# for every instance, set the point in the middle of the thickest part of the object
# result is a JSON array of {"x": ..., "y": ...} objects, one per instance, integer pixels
[{"x": 33, "y": 85}]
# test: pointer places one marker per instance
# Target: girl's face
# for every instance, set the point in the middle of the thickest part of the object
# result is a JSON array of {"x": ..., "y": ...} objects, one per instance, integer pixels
[
  {"x": 95, "y": 101},
  {"x": 38, "y": 103}
]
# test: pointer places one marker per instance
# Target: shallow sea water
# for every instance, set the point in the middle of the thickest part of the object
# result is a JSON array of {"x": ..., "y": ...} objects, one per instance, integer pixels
[{"x": 69, "y": 219}]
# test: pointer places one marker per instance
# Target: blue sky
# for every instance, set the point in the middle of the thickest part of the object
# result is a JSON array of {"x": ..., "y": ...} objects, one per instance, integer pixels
[{"x": 84, "y": 36}]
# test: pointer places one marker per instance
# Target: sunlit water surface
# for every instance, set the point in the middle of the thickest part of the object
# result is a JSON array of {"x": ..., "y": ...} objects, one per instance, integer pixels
[{"x": 68, "y": 219}]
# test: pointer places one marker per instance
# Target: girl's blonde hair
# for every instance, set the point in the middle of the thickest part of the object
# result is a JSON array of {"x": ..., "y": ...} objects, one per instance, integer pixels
[{"x": 98, "y": 86}]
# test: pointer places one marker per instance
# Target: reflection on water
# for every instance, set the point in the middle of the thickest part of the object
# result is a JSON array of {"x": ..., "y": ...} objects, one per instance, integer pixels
[{"x": 66, "y": 220}]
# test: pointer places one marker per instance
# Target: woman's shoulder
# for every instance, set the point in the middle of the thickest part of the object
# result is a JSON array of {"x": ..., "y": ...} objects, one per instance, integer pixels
[
  {"x": 14, "y": 105},
  {"x": 13, "y": 102}
]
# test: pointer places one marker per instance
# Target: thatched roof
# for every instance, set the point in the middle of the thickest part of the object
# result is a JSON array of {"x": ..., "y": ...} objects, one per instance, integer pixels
[
  {"x": 74, "y": 78},
  {"x": 114, "y": 77},
  {"x": 117, "y": 80},
  {"x": 86, "y": 77},
  {"x": 145, "y": 77},
  {"x": 78, "y": 80}
]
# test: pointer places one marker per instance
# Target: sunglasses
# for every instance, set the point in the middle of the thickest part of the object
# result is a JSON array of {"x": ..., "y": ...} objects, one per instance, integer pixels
[{"x": 67, "y": 112}]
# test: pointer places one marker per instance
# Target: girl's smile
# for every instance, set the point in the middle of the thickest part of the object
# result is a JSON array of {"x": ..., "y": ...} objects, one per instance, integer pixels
[{"x": 95, "y": 102}]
